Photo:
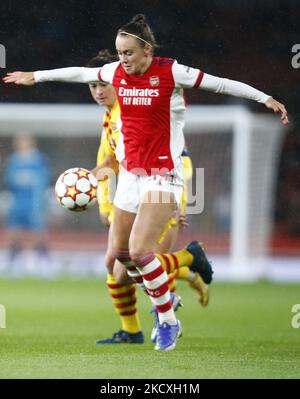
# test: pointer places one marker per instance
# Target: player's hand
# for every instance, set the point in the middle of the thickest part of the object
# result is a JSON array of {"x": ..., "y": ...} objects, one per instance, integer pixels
[
  {"x": 276, "y": 106},
  {"x": 20, "y": 78},
  {"x": 183, "y": 221},
  {"x": 94, "y": 171}
]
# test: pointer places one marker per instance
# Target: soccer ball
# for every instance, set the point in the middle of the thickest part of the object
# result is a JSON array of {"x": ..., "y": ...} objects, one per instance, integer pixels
[{"x": 76, "y": 189}]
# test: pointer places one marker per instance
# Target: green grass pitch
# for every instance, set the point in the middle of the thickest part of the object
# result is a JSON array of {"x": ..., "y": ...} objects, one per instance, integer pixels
[{"x": 51, "y": 328}]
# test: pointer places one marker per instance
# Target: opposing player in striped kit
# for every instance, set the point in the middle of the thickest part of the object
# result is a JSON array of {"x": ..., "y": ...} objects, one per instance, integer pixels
[{"x": 150, "y": 94}]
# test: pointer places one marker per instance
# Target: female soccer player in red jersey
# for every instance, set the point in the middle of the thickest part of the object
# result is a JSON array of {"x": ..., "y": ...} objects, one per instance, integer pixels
[
  {"x": 149, "y": 91},
  {"x": 121, "y": 288}
]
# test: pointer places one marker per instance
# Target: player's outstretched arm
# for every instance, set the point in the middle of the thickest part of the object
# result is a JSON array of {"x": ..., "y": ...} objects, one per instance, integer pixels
[
  {"x": 72, "y": 74},
  {"x": 239, "y": 89}
]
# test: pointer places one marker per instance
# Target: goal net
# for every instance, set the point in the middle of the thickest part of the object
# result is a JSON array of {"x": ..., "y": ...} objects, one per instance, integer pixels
[{"x": 235, "y": 156}]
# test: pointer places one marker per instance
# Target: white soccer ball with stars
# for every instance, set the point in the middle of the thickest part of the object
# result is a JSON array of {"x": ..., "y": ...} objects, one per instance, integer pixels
[{"x": 76, "y": 189}]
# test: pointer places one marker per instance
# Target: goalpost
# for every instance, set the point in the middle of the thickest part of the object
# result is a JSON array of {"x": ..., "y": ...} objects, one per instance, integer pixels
[
  {"x": 238, "y": 151},
  {"x": 255, "y": 146}
]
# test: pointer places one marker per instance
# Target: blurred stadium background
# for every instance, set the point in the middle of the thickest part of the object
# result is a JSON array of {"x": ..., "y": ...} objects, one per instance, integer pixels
[
  {"x": 246, "y": 331},
  {"x": 245, "y": 40}
]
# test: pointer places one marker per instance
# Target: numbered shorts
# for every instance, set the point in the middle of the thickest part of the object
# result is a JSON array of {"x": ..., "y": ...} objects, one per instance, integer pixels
[{"x": 131, "y": 188}]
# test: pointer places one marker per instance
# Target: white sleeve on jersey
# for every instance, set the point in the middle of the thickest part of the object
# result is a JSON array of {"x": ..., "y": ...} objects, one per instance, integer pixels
[
  {"x": 188, "y": 77},
  {"x": 77, "y": 74},
  {"x": 107, "y": 72},
  {"x": 232, "y": 87},
  {"x": 73, "y": 74},
  {"x": 185, "y": 76}
]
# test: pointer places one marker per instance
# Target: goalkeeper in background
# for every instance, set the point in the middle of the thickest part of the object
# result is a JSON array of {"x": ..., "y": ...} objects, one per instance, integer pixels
[
  {"x": 120, "y": 286},
  {"x": 26, "y": 177}
]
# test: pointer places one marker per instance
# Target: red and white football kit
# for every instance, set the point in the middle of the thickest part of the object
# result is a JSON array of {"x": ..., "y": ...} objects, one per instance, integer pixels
[
  {"x": 152, "y": 107},
  {"x": 151, "y": 132}
]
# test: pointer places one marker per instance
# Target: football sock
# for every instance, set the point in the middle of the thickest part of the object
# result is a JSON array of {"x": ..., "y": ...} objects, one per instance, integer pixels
[
  {"x": 184, "y": 257},
  {"x": 124, "y": 301},
  {"x": 171, "y": 262},
  {"x": 156, "y": 282},
  {"x": 133, "y": 273},
  {"x": 184, "y": 273}
]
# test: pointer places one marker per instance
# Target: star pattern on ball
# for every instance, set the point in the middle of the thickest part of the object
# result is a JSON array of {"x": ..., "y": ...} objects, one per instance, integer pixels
[
  {"x": 81, "y": 173},
  {"x": 72, "y": 192},
  {"x": 93, "y": 192}
]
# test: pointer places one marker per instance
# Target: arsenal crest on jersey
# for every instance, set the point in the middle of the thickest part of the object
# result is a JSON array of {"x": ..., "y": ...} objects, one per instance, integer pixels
[{"x": 154, "y": 81}]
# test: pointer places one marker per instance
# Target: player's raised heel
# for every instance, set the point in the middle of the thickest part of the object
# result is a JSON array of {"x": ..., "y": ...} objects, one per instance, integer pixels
[
  {"x": 167, "y": 336},
  {"x": 200, "y": 263},
  {"x": 123, "y": 337},
  {"x": 176, "y": 302}
]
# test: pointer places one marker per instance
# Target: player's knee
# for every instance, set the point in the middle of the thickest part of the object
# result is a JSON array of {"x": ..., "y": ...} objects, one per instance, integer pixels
[{"x": 136, "y": 252}]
